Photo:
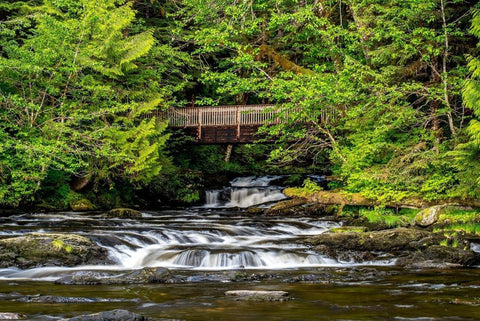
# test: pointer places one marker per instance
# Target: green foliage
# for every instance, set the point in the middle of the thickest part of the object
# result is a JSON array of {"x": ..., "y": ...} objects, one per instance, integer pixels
[
  {"x": 72, "y": 98},
  {"x": 381, "y": 215},
  {"x": 310, "y": 187}
]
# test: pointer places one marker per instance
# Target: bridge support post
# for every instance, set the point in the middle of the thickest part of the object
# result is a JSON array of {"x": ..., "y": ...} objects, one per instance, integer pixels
[{"x": 228, "y": 153}]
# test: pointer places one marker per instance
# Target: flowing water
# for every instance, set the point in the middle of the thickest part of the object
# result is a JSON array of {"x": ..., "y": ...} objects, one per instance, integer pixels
[{"x": 210, "y": 251}]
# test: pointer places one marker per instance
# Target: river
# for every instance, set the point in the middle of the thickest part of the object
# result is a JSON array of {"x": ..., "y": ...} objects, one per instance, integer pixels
[{"x": 219, "y": 247}]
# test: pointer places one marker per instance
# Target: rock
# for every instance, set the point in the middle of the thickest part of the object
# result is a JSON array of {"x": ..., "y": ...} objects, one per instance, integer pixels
[
  {"x": 441, "y": 256},
  {"x": 143, "y": 276},
  {"x": 429, "y": 216},
  {"x": 348, "y": 229},
  {"x": 10, "y": 316},
  {"x": 41, "y": 249},
  {"x": 393, "y": 241},
  {"x": 254, "y": 210},
  {"x": 288, "y": 207},
  {"x": 68, "y": 300},
  {"x": 259, "y": 295},
  {"x": 114, "y": 315},
  {"x": 82, "y": 205},
  {"x": 124, "y": 213}
]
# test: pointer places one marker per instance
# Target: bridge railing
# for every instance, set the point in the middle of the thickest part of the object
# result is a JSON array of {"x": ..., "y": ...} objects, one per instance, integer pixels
[
  {"x": 232, "y": 115},
  {"x": 227, "y": 116}
]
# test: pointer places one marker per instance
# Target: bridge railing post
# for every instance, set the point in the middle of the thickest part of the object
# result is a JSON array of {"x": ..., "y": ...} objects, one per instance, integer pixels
[
  {"x": 199, "y": 121},
  {"x": 237, "y": 115}
]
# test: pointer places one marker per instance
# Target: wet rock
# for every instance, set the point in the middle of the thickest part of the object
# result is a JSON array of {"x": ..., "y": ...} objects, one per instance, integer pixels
[
  {"x": 289, "y": 207},
  {"x": 259, "y": 295},
  {"x": 10, "y": 316},
  {"x": 82, "y": 205},
  {"x": 437, "y": 256},
  {"x": 143, "y": 276},
  {"x": 429, "y": 216},
  {"x": 68, "y": 300},
  {"x": 393, "y": 240},
  {"x": 114, "y": 315},
  {"x": 124, "y": 213},
  {"x": 255, "y": 210},
  {"x": 42, "y": 249}
]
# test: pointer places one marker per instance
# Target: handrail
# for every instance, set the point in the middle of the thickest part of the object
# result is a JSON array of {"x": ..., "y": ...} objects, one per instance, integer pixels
[{"x": 231, "y": 115}]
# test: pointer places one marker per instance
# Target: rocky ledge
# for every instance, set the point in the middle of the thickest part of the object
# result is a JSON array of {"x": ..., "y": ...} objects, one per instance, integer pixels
[
  {"x": 412, "y": 247},
  {"x": 35, "y": 250}
]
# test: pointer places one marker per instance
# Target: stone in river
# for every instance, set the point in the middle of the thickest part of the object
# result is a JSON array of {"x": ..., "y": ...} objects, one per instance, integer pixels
[
  {"x": 251, "y": 295},
  {"x": 114, "y": 315}
]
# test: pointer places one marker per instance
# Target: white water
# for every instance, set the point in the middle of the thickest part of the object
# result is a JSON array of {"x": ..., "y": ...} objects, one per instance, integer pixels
[
  {"x": 203, "y": 239},
  {"x": 245, "y": 192}
]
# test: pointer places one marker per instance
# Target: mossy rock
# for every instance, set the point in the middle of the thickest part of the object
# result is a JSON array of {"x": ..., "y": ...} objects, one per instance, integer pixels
[
  {"x": 255, "y": 210},
  {"x": 82, "y": 205},
  {"x": 124, "y": 213},
  {"x": 392, "y": 241},
  {"x": 39, "y": 249},
  {"x": 348, "y": 229},
  {"x": 429, "y": 216},
  {"x": 287, "y": 207}
]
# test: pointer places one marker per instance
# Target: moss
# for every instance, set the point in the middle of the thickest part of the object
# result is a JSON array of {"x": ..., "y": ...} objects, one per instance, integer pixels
[
  {"x": 82, "y": 205},
  {"x": 38, "y": 249},
  {"x": 348, "y": 229},
  {"x": 124, "y": 213}
]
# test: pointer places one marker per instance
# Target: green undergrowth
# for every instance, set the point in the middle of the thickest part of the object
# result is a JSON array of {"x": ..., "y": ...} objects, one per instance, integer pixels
[
  {"x": 459, "y": 221},
  {"x": 471, "y": 229},
  {"x": 455, "y": 215},
  {"x": 381, "y": 216}
]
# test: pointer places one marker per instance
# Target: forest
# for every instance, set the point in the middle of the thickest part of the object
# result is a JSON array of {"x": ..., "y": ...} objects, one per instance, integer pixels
[{"x": 399, "y": 80}]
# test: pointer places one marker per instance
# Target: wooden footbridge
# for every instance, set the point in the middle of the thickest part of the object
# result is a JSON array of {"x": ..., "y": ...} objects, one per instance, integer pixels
[
  {"x": 220, "y": 124},
  {"x": 223, "y": 124}
]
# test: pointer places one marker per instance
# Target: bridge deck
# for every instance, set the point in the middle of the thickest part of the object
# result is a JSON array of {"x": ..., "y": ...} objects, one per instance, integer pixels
[{"x": 221, "y": 124}]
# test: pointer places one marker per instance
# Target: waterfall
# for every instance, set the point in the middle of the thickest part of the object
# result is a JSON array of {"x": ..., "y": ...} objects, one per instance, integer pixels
[{"x": 245, "y": 192}]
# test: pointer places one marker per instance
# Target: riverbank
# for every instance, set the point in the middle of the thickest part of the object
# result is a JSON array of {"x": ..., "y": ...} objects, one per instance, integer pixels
[{"x": 438, "y": 236}]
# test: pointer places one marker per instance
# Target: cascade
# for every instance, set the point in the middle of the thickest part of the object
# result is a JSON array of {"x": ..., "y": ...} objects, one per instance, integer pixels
[
  {"x": 193, "y": 239},
  {"x": 245, "y": 192}
]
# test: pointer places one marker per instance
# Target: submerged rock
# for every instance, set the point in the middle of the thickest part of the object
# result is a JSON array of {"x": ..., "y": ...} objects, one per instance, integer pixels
[
  {"x": 39, "y": 249},
  {"x": 259, "y": 295},
  {"x": 124, "y": 213},
  {"x": 114, "y": 315},
  {"x": 429, "y": 216}
]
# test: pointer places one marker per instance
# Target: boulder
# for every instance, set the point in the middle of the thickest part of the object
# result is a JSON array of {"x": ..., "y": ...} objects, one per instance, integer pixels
[
  {"x": 429, "y": 216},
  {"x": 143, "y": 276},
  {"x": 250, "y": 295},
  {"x": 82, "y": 205},
  {"x": 124, "y": 213},
  {"x": 394, "y": 240},
  {"x": 43, "y": 249},
  {"x": 114, "y": 315},
  {"x": 441, "y": 257},
  {"x": 288, "y": 207}
]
